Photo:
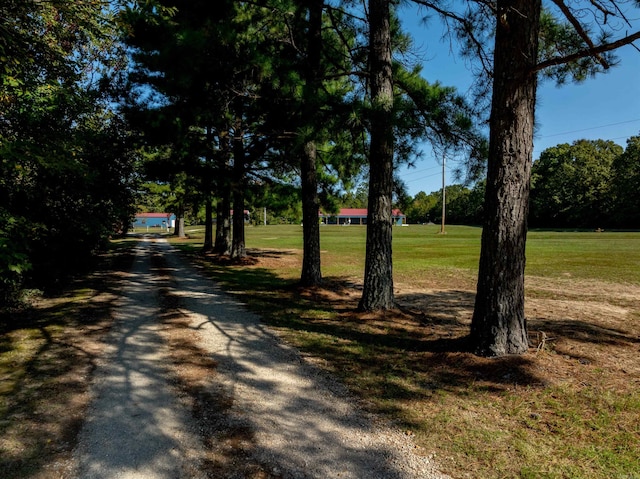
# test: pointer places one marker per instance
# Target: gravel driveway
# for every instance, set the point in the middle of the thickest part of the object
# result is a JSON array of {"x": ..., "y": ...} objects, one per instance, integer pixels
[{"x": 302, "y": 423}]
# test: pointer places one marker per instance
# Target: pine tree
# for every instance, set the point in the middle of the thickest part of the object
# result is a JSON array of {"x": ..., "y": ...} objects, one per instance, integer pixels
[{"x": 528, "y": 40}]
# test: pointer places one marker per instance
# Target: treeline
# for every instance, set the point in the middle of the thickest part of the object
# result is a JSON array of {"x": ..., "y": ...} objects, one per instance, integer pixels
[
  {"x": 586, "y": 184},
  {"x": 464, "y": 206}
]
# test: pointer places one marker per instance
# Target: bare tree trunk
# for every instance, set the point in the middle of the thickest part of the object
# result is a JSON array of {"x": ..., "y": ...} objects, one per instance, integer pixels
[
  {"x": 238, "y": 249},
  {"x": 223, "y": 225},
  {"x": 378, "y": 275},
  {"x": 499, "y": 325},
  {"x": 207, "y": 186},
  {"x": 179, "y": 229},
  {"x": 311, "y": 269},
  {"x": 208, "y": 227},
  {"x": 223, "y": 210}
]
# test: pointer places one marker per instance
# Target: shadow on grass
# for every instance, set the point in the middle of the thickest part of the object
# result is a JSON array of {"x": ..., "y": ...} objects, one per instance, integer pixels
[
  {"x": 585, "y": 332},
  {"x": 42, "y": 356},
  {"x": 398, "y": 354},
  {"x": 416, "y": 352}
]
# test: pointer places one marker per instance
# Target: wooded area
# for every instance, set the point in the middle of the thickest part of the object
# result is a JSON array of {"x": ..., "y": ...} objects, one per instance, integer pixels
[
  {"x": 218, "y": 105},
  {"x": 588, "y": 184}
]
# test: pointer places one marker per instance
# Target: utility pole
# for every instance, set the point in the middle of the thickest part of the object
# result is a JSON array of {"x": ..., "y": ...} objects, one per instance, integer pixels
[{"x": 444, "y": 196}]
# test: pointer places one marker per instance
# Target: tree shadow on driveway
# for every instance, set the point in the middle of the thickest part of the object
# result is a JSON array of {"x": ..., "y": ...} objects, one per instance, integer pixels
[{"x": 302, "y": 422}]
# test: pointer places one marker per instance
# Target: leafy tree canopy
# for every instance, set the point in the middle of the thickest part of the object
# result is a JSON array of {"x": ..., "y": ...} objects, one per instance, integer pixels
[
  {"x": 572, "y": 184},
  {"x": 66, "y": 165}
]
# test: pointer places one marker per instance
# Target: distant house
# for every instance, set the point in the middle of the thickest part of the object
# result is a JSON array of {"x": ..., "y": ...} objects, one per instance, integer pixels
[
  {"x": 357, "y": 216},
  {"x": 155, "y": 220},
  {"x": 247, "y": 215}
]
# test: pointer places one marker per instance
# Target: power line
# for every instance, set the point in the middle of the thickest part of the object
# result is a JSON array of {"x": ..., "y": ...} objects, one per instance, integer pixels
[
  {"x": 413, "y": 180},
  {"x": 619, "y": 138},
  {"x": 413, "y": 172},
  {"x": 447, "y": 166},
  {"x": 592, "y": 128},
  {"x": 423, "y": 178}
]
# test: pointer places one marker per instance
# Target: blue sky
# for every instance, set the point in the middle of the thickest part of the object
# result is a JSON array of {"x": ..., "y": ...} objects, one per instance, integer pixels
[{"x": 605, "y": 107}]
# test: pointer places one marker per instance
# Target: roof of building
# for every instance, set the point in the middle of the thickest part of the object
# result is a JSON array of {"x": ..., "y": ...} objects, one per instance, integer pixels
[
  {"x": 352, "y": 212},
  {"x": 153, "y": 215},
  {"x": 362, "y": 212}
]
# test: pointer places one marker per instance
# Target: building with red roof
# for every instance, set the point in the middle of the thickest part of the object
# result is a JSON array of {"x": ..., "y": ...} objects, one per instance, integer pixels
[
  {"x": 357, "y": 216},
  {"x": 155, "y": 220}
]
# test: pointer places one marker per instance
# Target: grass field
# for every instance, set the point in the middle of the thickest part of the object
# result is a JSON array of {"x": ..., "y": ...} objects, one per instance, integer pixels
[
  {"x": 570, "y": 408},
  {"x": 603, "y": 256}
]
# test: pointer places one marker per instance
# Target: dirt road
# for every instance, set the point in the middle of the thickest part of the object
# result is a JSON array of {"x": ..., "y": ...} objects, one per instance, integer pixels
[{"x": 287, "y": 419}]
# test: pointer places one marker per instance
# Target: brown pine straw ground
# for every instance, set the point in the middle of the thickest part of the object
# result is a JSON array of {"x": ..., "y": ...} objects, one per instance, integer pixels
[
  {"x": 581, "y": 322},
  {"x": 48, "y": 353}
]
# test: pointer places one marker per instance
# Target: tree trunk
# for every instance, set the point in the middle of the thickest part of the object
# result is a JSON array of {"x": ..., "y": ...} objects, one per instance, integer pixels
[
  {"x": 238, "y": 249},
  {"x": 499, "y": 325},
  {"x": 223, "y": 211},
  {"x": 311, "y": 269},
  {"x": 223, "y": 225},
  {"x": 179, "y": 229},
  {"x": 208, "y": 227},
  {"x": 378, "y": 275},
  {"x": 208, "y": 187}
]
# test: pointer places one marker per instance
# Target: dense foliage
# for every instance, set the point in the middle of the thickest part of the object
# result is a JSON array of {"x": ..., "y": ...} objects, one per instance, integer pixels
[
  {"x": 463, "y": 205},
  {"x": 574, "y": 186},
  {"x": 66, "y": 169},
  {"x": 587, "y": 184}
]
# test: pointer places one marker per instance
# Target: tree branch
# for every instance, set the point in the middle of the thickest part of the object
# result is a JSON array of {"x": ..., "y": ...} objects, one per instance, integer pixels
[
  {"x": 338, "y": 31},
  {"x": 588, "y": 52},
  {"x": 578, "y": 26},
  {"x": 466, "y": 26}
]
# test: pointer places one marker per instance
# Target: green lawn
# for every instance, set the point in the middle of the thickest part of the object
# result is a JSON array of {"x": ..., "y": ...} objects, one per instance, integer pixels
[{"x": 608, "y": 256}]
